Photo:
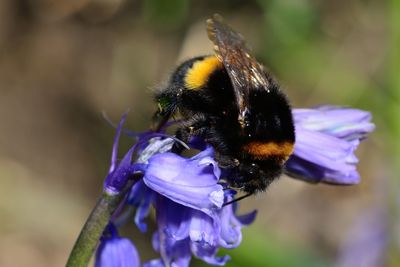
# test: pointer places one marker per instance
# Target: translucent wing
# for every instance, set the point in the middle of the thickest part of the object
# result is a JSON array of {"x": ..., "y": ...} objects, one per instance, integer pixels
[{"x": 244, "y": 71}]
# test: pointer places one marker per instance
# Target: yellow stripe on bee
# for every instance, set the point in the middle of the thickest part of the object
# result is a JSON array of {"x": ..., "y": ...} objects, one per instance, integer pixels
[
  {"x": 197, "y": 76},
  {"x": 263, "y": 150}
]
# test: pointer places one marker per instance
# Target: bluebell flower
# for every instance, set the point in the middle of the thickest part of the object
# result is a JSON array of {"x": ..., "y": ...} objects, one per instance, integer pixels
[
  {"x": 188, "y": 196},
  {"x": 116, "y": 251},
  {"x": 326, "y": 138},
  {"x": 183, "y": 231},
  {"x": 191, "y": 182},
  {"x": 188, "y": 202}
]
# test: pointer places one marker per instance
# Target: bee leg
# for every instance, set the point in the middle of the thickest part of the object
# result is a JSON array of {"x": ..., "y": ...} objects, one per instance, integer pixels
[
  {"x": 225, "y": 161},
  {"x": 237, "y": 199},
  {"x": 195, "y": 126}
]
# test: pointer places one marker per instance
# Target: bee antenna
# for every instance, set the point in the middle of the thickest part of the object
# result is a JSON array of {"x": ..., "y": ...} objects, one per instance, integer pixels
[{"x": 236, "y": 199}]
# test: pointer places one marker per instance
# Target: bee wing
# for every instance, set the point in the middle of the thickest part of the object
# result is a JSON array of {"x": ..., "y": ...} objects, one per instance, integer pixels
[{"x": 243, "y": 69}]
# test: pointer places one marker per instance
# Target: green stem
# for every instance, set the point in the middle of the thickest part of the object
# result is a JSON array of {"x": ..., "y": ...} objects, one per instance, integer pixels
[
  {"x": 92, "y": 230},
  {"x": 104, "y": 209},
  {"x": 94, "y": 227}
]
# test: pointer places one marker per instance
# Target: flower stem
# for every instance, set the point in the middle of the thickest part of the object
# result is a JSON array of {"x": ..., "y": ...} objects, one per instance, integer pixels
[{"x": 96, "y": 223}]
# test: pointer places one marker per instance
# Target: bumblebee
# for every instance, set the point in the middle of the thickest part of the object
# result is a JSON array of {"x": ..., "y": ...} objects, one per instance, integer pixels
[{"x": 235, "y": 105}]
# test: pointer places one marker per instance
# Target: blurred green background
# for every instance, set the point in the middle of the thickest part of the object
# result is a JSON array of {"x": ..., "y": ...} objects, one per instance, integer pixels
[{"x": 63, "y": 62}]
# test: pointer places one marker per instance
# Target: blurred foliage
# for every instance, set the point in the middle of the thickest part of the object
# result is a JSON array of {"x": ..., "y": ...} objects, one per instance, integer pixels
[
  {"x": 268, "y": 251},
  {"x": 391, "y": 110},
  {"x": 166, "y": 13},
  {"x": 63, "y": 62}
]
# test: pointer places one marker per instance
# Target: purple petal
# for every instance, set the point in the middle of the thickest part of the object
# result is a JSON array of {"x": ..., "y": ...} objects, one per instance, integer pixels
[
  {"x": 202, "y": 229},
  {"x": 155, "y": 241},
  {"x": 154, "y": 263},
  {"x": 204, "y": 233},
  {"x": 190, "y": 182},
  {"x": 117, "y": 251},
  {"x": 141, "y": 197},
  {"x": 323, "y": 149},
  {"x": 117, "y": 179},
  {"x": 142, "y": 212},
  {"x": 175, "y": 253},
  {"x": 206, "y": 157},
  {"x": 182, "y": 256},
  {"x": 341, "y": 122},
  {"x": 208, "y": 254},
  {"x": 114, "y": 153},
  {"x": 173, "y": 219},
  {"x": 231, "y": 234},
  {"x": 118, "y": 174},
  {"x": 301, "y": 169},
  {"x": 173, "y": 222},
  {"x": 231, "y": 224},
  {"x": 344, "y": 124},
  {"x": 247, "y": 219}
]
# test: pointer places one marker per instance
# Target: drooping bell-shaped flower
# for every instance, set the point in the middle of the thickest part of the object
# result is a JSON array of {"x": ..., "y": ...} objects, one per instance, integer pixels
[
  {"x": 116, "y": 251},
  {"x": 326, "y": 139}
]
